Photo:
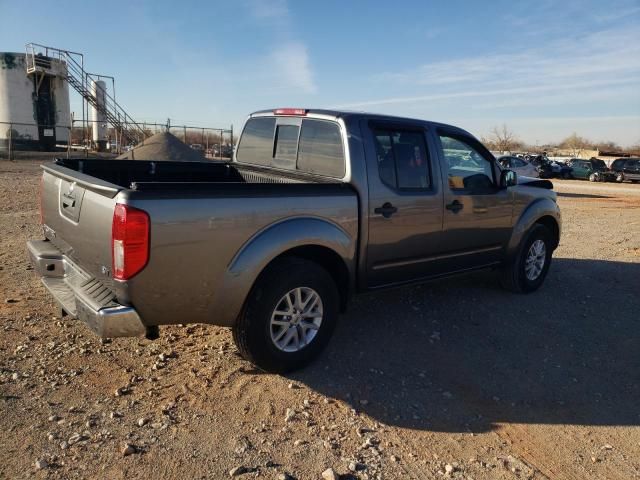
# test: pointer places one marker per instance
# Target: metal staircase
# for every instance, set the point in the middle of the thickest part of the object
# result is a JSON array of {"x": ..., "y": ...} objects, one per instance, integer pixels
[{"x": 39, "y": 64}]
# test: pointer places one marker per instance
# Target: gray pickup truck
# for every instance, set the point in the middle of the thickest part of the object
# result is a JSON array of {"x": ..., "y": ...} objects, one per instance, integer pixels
[{"x": 316, "y": 206}]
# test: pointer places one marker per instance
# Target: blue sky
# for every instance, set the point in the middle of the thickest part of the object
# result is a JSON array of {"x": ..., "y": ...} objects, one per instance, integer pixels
[{"x": 545, "y": 68}]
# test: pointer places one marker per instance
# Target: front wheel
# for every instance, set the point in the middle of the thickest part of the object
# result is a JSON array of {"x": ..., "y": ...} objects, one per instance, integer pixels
[
  {"x": 526, "y": 271},
  {"x": 289, "y": 317}
]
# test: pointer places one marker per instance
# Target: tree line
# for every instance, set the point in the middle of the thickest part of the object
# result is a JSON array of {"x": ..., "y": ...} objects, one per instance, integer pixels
[{"x": 503, "y": 139}]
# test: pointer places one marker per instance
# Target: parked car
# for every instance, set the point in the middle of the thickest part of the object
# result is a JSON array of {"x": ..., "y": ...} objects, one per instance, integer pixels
[
  {"x": 315, "y": 206},
  {"x": 544, "y": 166},
  {"x": 618, "y": 164},
  {"x": 593, "y": 169},
  {"x": 518, "y": 165},
  {"x": 561, "y": 170},
  {"x": 630, "y": 170}
]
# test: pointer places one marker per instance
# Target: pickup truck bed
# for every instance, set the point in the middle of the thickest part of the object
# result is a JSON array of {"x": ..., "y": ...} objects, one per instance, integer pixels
[{"x": 202, "y": 215}]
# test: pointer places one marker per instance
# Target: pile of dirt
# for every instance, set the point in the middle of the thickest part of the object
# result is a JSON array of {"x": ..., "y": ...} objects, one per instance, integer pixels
[{"x": 163, "y": 146}]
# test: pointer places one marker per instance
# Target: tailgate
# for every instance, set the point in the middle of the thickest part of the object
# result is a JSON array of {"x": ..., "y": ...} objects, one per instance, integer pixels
[{"x": 77, "y": 213}]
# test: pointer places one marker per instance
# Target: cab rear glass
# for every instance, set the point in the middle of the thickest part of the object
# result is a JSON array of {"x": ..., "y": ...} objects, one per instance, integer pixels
[{"x": 313, "y": 147}]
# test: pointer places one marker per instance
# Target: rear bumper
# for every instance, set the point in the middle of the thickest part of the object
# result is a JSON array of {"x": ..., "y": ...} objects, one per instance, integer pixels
[{"x": 82, "y": 296}]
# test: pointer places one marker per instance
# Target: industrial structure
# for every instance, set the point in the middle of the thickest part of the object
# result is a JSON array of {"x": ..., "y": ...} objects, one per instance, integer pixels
[
  {"x": 35, "y": 112},
  {"x": 34, "y": 101}
]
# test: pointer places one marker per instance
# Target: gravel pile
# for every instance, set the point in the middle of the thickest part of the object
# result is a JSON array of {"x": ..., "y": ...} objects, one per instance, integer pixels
[{"x": 163, "y": 146}]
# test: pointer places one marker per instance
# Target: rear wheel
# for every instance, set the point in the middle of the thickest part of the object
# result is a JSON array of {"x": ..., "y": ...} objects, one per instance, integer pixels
[
  {"x": 593, "y": 177},
  {"x": 526, "y": 271},
  {"x": 289, "y": 317}
]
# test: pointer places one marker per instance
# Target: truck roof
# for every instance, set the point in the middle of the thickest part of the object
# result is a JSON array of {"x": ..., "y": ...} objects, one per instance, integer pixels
[{"x": 354, "y": 114}]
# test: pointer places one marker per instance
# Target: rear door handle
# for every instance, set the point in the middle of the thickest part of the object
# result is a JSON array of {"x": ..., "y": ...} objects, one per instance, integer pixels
[
  {"x": 386, "y": 210},
  {"x": 455, "y": 206}
]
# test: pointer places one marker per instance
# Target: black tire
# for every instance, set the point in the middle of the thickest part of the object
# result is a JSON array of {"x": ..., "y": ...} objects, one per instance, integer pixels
[
  {"x": 566, "y": 175},
  {"x": 593, "y": 178},
  {"x": 252, "y": 331},
  {"x": 514, "y": 276},
  {"x": 620, "y": 178}
]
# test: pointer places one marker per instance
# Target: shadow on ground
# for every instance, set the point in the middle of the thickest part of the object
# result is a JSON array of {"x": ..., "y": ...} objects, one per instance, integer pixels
[
  {"x": 462, "y": 354},
  {"x": 581, "y": 195}
]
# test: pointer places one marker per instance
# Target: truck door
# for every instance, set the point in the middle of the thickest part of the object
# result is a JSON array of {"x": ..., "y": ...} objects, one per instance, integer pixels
[
  {"x": 405, "y": 204},
  {"x": 477, "y": 213}
]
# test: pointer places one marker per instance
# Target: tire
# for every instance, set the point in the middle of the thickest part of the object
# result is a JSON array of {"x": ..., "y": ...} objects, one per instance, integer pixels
[
  {"x": 593, "y": 177},
  {"x": 566, "y": 175},
  {"x": 254, "y": 331},
  {"x": 620, "y": 178},
  {"x": 515, "y": 275}
]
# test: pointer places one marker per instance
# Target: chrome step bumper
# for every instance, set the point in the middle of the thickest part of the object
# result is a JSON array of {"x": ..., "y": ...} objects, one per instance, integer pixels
[{"x": 82, "y": 296}]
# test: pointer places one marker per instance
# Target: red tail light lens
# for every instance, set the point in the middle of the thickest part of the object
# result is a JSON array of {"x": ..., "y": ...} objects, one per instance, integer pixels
[{"x": 129, "y": 241}]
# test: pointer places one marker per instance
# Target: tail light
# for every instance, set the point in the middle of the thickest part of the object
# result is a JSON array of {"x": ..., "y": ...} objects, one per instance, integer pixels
[
  {"x": 129, "y": 241},
  {"x": 40, "y": 192}
]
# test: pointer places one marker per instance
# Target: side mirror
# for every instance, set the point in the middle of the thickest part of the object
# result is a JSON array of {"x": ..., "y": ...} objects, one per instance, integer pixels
[{"x": 508, "y": 178}]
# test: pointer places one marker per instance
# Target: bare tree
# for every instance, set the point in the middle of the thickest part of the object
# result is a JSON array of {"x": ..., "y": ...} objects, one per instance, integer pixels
[
  {"x": 575, "y": 144},
  {"x": 633, "y": 149},
  {"x": 608, "y": 146},
  {"x": 502, "y": 139}
]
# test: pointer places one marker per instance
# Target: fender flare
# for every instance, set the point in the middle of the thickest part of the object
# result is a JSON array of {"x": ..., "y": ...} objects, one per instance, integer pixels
[
  {"x": 269, "y": 243},
  {"x": 543, "y": 207}
]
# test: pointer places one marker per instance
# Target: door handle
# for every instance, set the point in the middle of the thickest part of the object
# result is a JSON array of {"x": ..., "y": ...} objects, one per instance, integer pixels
[
  {"x": 386, "y": 210},
  {"x": 455, "y": 206}
]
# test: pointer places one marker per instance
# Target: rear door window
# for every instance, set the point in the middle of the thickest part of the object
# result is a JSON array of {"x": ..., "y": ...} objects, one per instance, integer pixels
[
  {"x": 320, "y": 149},
  {"x": 402, "y": 159},
  {"x": 256, "y": 144}
]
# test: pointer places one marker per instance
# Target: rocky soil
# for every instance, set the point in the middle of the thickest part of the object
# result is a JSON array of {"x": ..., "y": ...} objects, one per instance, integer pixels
[{"x": 456, "y": 379}]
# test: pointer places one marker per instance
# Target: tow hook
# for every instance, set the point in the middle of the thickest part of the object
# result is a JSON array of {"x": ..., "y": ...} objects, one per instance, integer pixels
[{"x": 153, "y": 333}]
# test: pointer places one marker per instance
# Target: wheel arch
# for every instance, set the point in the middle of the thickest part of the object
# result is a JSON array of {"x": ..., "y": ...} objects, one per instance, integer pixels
[
  {"x": 309, "y": 238},
  {"x": 552, "y": 224},
  {"x": 543, "y": 211}
]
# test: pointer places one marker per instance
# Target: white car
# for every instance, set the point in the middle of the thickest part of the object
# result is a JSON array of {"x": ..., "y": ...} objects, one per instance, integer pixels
[{"x": 518, "y": 165}]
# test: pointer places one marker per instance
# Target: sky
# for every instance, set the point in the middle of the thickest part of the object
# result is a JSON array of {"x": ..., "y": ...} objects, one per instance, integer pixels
[{"x": 546, "y": 68}]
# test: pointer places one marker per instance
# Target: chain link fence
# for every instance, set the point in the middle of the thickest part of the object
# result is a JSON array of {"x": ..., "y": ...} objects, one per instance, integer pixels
[{"x": 32, "y": 140}]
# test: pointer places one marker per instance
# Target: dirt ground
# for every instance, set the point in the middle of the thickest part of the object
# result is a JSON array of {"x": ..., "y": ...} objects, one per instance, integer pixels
[{"x": 454, "y": 379}]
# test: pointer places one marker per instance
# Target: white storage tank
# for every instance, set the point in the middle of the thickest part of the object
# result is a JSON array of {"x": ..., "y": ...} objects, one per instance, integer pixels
[
  {"x": 98, "y": 118},
  {"x": 34, "y": 109}
]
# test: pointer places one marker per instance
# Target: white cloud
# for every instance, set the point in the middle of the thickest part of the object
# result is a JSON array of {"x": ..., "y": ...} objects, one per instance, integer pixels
[
  {"x": 270, "y": 9},
  {"x": 292, "y": 67},
  {"x": 288, "y": 64},
  {"x": 491, "y": 93},
  {"x": 597, "y": 60}
]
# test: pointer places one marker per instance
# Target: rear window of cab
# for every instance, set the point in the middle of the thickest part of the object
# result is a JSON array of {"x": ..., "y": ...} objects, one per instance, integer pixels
[{"x": 309, "y": 146}]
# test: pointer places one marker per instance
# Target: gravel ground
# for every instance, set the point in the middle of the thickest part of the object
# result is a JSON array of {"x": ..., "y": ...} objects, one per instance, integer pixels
[{"x": 455, "y": 379}]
